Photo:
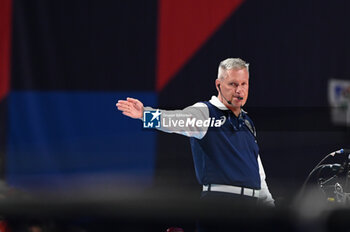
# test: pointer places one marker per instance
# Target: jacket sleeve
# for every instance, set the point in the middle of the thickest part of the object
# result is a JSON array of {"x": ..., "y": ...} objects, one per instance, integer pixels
[
  {"x": 198, "y": 111},
  {"x": 265, "y": 196}
]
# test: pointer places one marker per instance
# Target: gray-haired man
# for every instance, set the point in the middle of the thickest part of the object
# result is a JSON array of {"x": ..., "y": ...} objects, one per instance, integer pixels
[{"x": 223, "y": 137}]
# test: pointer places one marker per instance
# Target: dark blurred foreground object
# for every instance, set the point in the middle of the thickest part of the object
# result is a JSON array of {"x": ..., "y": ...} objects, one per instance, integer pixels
[
  {"x": 333, "y": 179},
  {"x": 126, "y": 210},
  {"x": 174, "y": 229},
  {"x": 4, "y": 226},
  {"x": 129, "y": 210}
]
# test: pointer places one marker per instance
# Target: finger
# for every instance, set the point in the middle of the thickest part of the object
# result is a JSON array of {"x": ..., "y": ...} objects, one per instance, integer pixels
[
  {"x": 124, "y": 108},
  {"x": 122, "y": 101},
  {"x": 132, "y": 100},
  {"x": 120, "y": 106},
  {"x": 124, "y": 104}
]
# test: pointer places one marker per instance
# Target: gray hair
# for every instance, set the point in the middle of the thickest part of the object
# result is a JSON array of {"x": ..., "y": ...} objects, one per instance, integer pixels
[{"x": 231, "y": 63}]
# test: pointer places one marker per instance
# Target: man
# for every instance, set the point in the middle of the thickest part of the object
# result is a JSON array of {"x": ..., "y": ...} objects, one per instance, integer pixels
[{"x": 223, "y": 137}]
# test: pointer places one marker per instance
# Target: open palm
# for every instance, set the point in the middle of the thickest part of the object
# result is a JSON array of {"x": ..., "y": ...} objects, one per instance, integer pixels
[{"x": 131, "y": 107}]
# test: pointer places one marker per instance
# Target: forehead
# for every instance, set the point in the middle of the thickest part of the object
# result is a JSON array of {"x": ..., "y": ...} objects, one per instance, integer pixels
[{"x": 237, "y": 75}]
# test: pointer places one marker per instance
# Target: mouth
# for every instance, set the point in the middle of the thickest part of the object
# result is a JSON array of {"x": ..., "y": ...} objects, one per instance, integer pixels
[{"x": 239, "y": 97}]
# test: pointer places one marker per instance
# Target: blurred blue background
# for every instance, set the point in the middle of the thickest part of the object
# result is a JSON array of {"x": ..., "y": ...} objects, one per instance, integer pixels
[{"x": 70, "y": 61}]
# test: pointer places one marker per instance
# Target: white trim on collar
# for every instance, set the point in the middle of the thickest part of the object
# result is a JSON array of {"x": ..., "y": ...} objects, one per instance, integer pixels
[{"x": 216, "y": 102}]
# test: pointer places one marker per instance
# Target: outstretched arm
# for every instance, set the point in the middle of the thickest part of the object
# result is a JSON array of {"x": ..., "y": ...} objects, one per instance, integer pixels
[
  {"x": 131, "y": 107},
  {"x": 134, "y": 108}
]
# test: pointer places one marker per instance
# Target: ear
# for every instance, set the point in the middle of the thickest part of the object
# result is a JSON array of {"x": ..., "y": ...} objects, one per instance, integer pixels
[{"x": 217, "y": 84}]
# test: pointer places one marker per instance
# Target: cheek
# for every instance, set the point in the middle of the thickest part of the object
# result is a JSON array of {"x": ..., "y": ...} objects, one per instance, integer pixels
[
  {"x": 246, "y": 90},
  {"x": 230, "y": 90}
]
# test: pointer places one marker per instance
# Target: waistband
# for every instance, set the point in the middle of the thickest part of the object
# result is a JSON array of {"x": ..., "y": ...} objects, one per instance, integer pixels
[{"x": 231, "y": 189}]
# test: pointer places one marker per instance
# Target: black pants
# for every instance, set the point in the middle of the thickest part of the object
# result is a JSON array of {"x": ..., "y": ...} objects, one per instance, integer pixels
[{"x": 223, "y": 209}]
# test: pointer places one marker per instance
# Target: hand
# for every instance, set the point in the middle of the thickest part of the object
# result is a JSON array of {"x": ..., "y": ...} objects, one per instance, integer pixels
[{"x": 131, "y": 107}]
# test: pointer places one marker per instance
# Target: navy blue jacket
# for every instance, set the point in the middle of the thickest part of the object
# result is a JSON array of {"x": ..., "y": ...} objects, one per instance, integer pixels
[{"x": 227, "y": 154}]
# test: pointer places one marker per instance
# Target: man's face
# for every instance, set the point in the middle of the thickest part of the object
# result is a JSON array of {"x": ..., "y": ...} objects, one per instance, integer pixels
[{"x": 233, "y": 86}]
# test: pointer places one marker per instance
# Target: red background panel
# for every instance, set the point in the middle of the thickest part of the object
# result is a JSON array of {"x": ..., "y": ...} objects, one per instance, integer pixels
[
  {"x": 183, "y": 27},
  {"x": 5, "y": 38}
]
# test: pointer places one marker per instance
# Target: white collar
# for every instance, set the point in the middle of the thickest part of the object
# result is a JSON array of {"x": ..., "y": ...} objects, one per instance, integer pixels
[{"x": 217, "y": 103}]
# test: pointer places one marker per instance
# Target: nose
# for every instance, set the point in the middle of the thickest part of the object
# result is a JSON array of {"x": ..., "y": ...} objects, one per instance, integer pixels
[{"x": 239, "y": 89}]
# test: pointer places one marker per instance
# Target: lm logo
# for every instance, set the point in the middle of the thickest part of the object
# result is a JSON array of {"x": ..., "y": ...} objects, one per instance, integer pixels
[{"x": 151, "y": 119}]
